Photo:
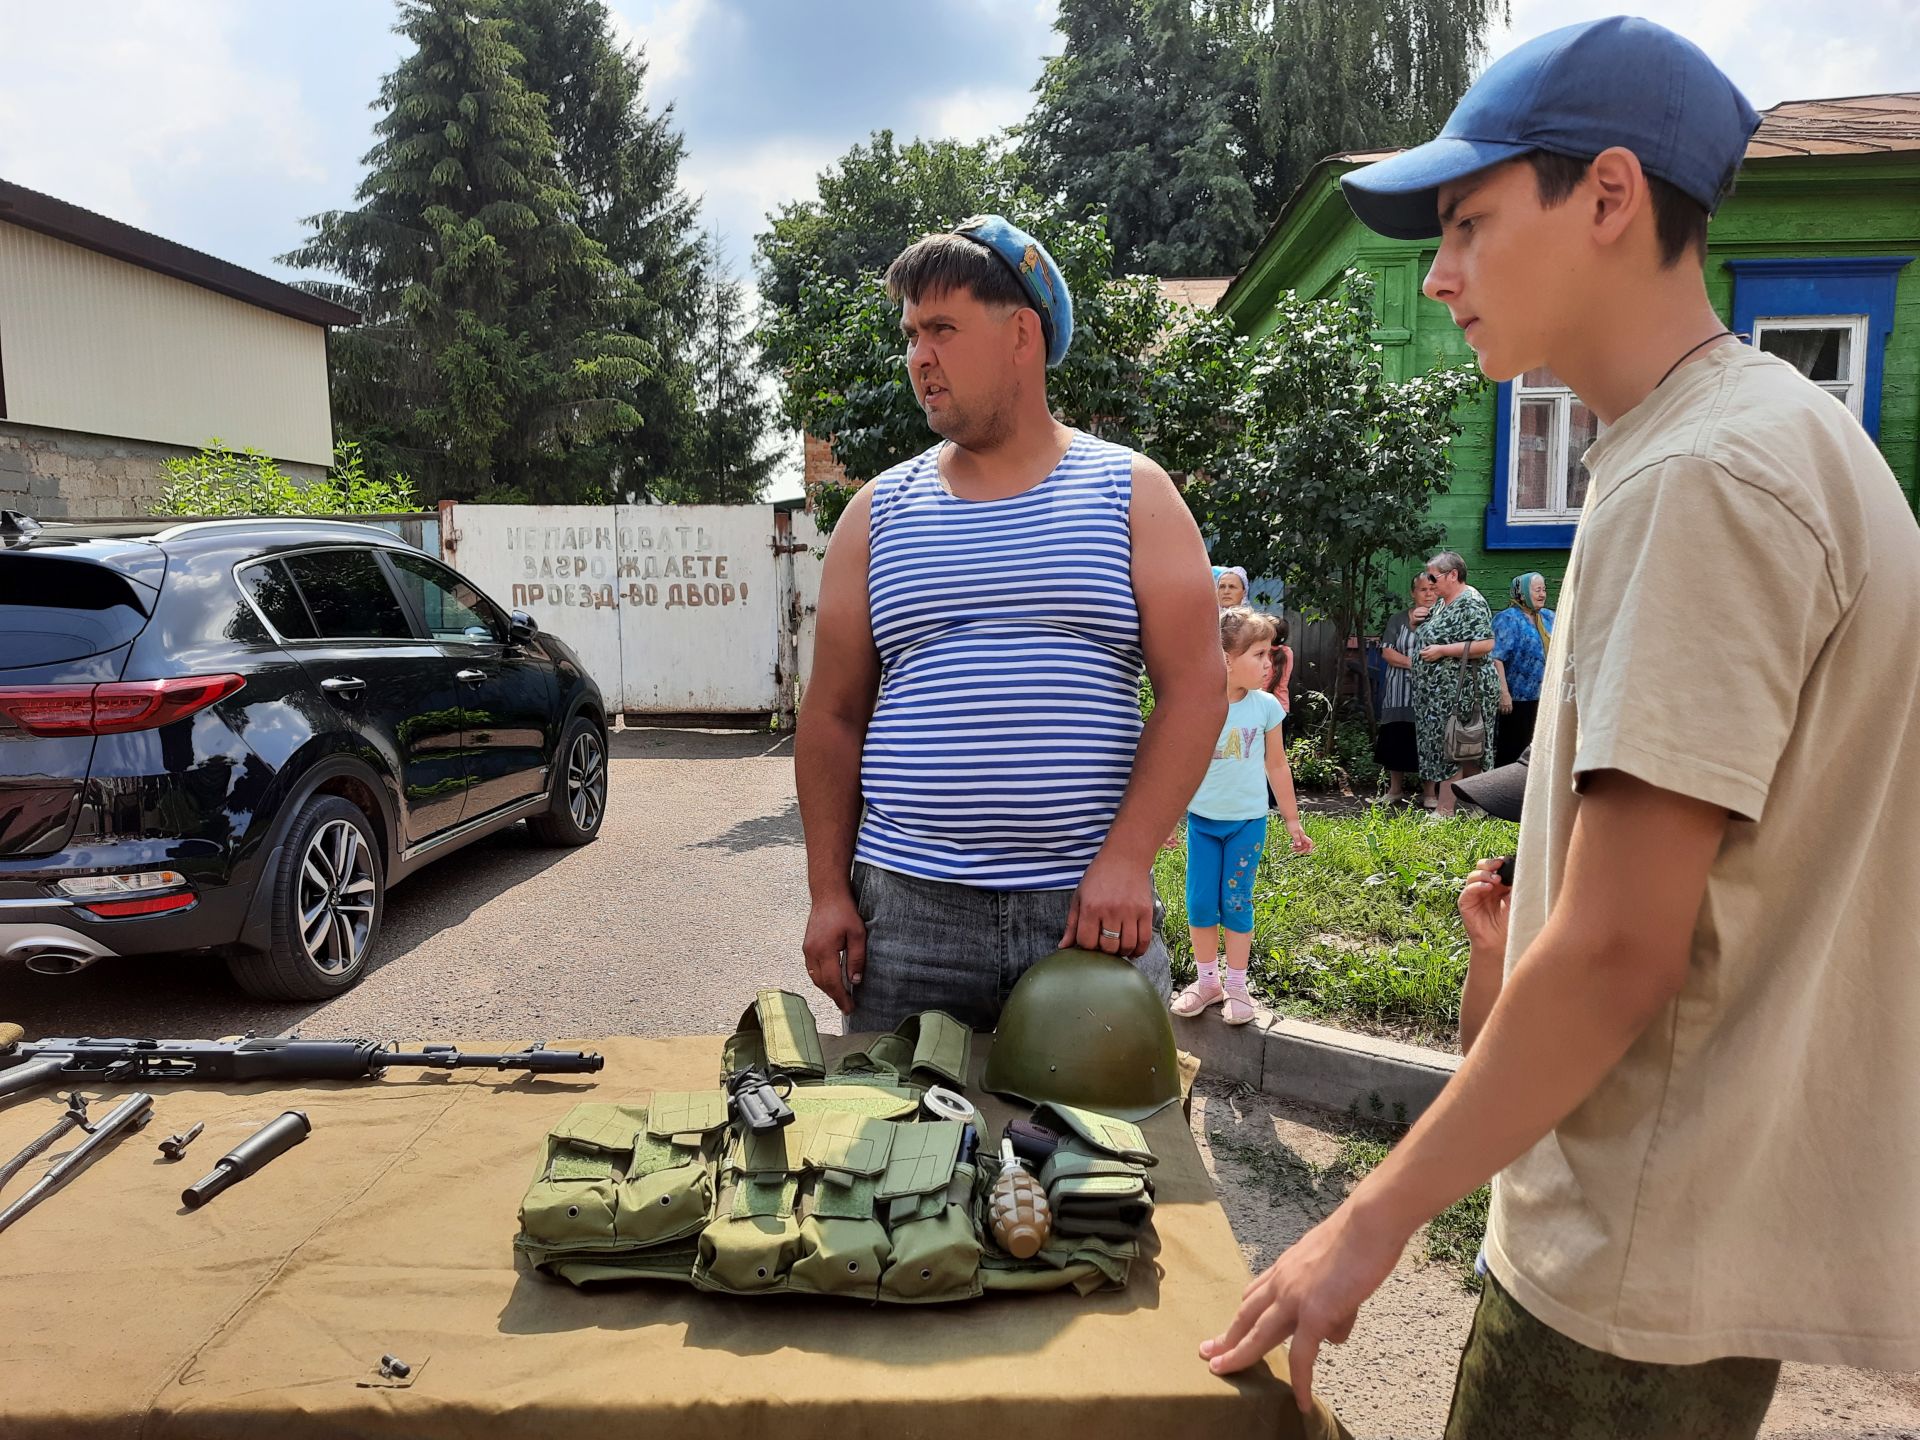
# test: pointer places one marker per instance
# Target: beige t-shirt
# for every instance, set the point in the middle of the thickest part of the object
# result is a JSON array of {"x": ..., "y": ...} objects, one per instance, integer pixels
[{"x": 1740, "y": 623}]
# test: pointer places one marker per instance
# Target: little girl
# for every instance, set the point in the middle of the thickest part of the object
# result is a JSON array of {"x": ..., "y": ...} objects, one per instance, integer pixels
[{"x": 1227, "y": 820}]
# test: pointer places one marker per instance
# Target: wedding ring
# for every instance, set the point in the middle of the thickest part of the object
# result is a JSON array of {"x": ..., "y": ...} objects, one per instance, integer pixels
[{"x": 1114, "y": 933}]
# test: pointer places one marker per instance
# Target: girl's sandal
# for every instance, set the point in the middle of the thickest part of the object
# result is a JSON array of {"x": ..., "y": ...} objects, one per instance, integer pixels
[
  {"x": 1197, "y": 999},
  {"x": 1237, "y": 1011}
]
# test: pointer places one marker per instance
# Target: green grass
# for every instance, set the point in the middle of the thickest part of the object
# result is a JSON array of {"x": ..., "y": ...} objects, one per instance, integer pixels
[
  {"x": 1454, "y": 1235},
  {"x": 1364, "y": 931}
]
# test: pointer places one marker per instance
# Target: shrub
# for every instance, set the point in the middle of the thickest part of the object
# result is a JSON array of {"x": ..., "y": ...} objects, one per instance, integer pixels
[{"x": 223, "y": 481}]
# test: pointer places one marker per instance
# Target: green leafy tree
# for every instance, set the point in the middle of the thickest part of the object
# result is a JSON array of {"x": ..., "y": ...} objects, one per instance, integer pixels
[
  {"x": 1327, "y": 470},
  {"x": 1189, "y": 123},
  {"x": 497, "y": 337},
  {"x": 1136, "y": 119},
  {"x": 872, "y": 204},
  {"x": 222, "y": 480},
  {"x": 622, "y": 163}
]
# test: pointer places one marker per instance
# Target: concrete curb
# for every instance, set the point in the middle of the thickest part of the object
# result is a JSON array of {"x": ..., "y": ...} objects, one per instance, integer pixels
[{"x": 1316, "y": 1065}]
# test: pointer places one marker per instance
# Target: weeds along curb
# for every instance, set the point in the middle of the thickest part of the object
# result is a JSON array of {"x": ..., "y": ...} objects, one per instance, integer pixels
[{"x": 1315, "y": 1065}]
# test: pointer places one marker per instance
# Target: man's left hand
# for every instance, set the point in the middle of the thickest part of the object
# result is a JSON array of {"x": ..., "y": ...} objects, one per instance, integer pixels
[
  {"x": 1113, "y": 908},
  {"x": 1311, "y": 1295}
]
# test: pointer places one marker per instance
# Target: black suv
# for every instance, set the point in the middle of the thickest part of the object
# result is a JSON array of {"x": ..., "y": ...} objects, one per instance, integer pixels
[{"x": 234, "y": 735}]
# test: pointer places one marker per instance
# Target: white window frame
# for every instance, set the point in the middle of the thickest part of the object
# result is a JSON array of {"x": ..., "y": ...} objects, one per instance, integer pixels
[
  {"x": 1559, "y": 439},
  {"x": 1851, "y": 391}
]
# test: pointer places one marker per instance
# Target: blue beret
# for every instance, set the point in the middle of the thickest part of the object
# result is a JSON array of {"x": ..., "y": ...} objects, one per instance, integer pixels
[{"x": 1033, "y": 267}]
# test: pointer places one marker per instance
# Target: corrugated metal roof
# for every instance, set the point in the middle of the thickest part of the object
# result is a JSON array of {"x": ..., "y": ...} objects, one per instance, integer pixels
[{"x": 76, "y": 225}]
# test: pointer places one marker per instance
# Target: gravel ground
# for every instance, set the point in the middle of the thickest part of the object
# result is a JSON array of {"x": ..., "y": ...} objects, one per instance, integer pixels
[{"x": 695, "y": 896}]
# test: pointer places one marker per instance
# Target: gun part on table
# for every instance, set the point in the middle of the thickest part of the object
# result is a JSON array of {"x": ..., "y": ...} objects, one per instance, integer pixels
[
  {"x": 249, "y": 1157},
  {"x": 75, "y": 1118},
  {"x": 26, "y": 1064}
]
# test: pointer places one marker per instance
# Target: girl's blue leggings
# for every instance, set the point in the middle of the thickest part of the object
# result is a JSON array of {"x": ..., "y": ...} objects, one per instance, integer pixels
[{"x": 1222, "y": 858}]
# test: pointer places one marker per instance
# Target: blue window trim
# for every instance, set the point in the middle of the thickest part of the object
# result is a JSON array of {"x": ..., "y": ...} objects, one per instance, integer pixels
[
  {"x": 1502, "y": 533},
  {"x": 1825, "y": 285}
]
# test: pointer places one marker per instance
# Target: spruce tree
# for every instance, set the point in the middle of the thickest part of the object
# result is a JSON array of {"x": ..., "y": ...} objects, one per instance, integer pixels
[
  {"x": 495, "y": 337},
  {"x": 730, "y": 462},
  {"x": 622, "y": 163}
]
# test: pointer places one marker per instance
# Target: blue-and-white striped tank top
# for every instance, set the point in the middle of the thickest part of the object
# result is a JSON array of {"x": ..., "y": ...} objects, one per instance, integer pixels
[{"x": 1008, "y": 714}]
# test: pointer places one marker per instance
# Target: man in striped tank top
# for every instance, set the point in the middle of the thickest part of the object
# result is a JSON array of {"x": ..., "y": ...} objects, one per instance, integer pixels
[{"x": 974, "y": 779}]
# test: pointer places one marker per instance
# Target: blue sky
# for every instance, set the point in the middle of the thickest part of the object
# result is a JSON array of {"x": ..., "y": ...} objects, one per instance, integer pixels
[{"x": 222, "y": 123}]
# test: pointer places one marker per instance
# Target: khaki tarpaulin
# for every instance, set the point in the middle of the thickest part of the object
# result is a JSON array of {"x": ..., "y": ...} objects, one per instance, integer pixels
[{"x": 390, "y": 1231}]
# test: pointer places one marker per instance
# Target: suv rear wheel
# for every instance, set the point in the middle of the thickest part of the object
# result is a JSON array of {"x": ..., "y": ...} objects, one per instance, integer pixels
[
  {"x": 579, "y": 793},
  {"x": 329, "y": 892}
]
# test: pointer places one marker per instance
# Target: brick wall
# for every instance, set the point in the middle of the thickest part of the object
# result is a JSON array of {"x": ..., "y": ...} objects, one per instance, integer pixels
[
  {"x": 66, "y": 475},
  {"x": 820, "y": 467}
]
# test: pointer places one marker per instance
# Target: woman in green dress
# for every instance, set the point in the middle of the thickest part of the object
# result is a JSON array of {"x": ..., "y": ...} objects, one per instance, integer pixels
[{"x": 1461, "y": 623}]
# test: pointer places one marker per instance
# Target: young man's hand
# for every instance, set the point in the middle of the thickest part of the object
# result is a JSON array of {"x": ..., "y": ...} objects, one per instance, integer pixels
[
  {"x": 1311, "y": 1295},
  {"x": 834, "y": 928},
  {"x": 1484, "y": 903},
  {"x": 1302, "y": 842}
]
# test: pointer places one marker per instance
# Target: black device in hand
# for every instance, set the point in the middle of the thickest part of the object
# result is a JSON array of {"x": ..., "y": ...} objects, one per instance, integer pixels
[
  {"x": 1505, "y": 872},
  {"x": 755, "y": 1099}
]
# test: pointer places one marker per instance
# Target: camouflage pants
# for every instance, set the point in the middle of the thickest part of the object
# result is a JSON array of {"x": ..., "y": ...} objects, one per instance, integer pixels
[{"x": 1522, "y": 1380}]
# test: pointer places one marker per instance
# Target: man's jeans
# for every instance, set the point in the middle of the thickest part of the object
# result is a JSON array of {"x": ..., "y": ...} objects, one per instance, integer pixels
[{"x": 937, "y": 946}]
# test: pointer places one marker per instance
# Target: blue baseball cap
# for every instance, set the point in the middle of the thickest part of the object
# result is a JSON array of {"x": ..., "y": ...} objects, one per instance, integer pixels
[
  {"x": 1033, "y": 267},
  {"x": 1575, "y": 91}
]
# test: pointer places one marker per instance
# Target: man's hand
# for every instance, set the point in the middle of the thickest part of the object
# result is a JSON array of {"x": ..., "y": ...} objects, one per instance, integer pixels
[
  {"x": 1112, "y": 910},
  {"x": 1311, "y": 1295},
  {"x": 1484, "y": 903},
  {"x": 834, "y": 929}
]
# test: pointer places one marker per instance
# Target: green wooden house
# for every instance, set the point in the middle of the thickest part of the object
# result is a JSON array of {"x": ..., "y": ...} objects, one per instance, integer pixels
[{"x": 1812, "y": 257}]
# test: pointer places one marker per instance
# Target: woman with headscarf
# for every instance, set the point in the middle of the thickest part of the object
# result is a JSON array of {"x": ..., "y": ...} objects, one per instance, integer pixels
[
  {"x": 1458, "y": 631},
  {"x": 1230, "y": 585},
  {"x": 1521, "y": 635},
  {"x": 1395, "y": 749}
]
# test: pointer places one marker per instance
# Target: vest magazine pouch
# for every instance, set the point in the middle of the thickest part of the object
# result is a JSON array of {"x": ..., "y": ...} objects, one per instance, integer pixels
[
  {"x": 843, "y": 1246},
  {"x": 755, "y": 1235},
  {"x": 573, "y": 1198},
  {"x": 926, "y": 1199},
  {"x": 776, "y": 1032},
  {"x": 668, "y": 1193},
  {"x": 925, "y": 1049}
]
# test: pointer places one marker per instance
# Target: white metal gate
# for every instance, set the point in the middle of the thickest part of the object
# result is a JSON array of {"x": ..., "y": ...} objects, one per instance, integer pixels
[{"x": 678, "y": 611}]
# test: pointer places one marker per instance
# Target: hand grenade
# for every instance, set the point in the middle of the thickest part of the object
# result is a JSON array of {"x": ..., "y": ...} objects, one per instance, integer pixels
[{"x": 1022, "y": 1219}]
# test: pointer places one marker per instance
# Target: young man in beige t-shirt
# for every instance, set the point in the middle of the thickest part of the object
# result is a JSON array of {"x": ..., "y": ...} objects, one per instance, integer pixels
[{"x": 1699, "y": 1081}]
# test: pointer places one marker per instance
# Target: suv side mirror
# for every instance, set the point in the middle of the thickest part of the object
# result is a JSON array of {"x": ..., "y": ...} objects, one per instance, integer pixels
[{"x": 521, "y": 626}]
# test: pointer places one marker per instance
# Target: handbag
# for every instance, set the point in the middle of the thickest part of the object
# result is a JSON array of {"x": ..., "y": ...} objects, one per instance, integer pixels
[{"x": 1464, "y": 741}]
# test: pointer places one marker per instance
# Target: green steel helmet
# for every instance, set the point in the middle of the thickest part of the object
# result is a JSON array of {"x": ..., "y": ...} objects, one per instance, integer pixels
[{"x": 1083, "y": 1028}]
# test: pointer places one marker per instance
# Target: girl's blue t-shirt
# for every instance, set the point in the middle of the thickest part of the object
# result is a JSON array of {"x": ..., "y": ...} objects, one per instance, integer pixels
[{"x": 1236, "y": 783}]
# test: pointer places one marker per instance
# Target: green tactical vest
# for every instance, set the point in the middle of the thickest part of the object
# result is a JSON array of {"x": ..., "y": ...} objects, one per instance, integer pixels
[{"x": 861, "y": 1195}]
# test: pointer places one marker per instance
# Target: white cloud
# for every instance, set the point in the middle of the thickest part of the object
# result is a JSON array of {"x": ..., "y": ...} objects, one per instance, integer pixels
[
  {"x": 664, "y": 27},
  {"x": 119, "y": 106},
  {"x": 970, "y": 115},
  {"x": 1774, "y": 49}
]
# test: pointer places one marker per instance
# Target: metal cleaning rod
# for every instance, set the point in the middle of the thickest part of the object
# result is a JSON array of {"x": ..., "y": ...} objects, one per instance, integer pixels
[{"x": 129, "y": 1115}]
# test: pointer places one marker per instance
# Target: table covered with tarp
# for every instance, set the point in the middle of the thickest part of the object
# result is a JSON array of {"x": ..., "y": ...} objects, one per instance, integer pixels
[{"x": 389, "y": 1231}]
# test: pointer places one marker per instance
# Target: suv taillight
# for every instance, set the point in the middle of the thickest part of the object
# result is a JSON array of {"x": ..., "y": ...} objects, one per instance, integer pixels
[{"x": 112, "y": 709}]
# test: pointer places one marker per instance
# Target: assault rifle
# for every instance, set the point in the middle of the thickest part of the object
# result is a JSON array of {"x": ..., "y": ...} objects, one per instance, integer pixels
[{"x": 26, "y": 1064}]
